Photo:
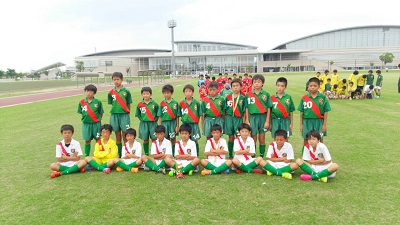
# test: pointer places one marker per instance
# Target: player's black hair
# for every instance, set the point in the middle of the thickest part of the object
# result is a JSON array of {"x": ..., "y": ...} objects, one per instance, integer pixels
[
  {"x": 344, "y": 81},
  {"x": 167, "y": 88},
  {"x": 319, "y": 72},
  {"x": 313, "y": 133},
  {"x": 371, "y": 87},
  {"x": 130, "y": 131},
  {"x": 355, "y": 72},
  {"x": 321, "y": 81},
  {"x": 313, "y": 79},
  {"x": 226, "y": 73},
  {"x": 230, "y": 78},
  {"x": 213, "y": 85},
  {"x": 358, "y": 91},
  {"x": 329, "y": 79},
  {"x": 235, "y": 73},
  {"x": 244, "y": 126},
  {"x": 117, "y": 74},
  {"x": 240, "y": 77},
  {"x": 351, "y": 83},
  {"x": 250, "y": 76},
  {"x": 335, "y": 71},
  {"x": 185, "y": 127},
  {"x": 216, "y": 127},
  {"x": 245, "y": 74},
  {"x": 220, "y": 74},
  {"x": 326, "y": 71},
  {"x": 159, "y": 129},
  {"x": 236, "y": 80},
  {"x": 201, "y": 75},
  {"x": 344, "y": 87},
  {"x": 106, "y": 127},
  {"x": 67, "y": 127},
  {"x": 91, "y": 87},
  {"x": 283, "y": 80},
  {"x": 258, "y": 77},
  {"x": 202, "y": 84},
  {"x": 146, "y": 89},
  {"x": 364, "y": 76},
  {"x": 378, "y": 71},
  {"x": 207, "y": 77},
  {"x": 188, "y": 86},
  {"x": 281, "y": 133},
  {"x": 335, "y": 86},
  {"x": 213, "y": 78},
  {"x": 370, "y": 71}
]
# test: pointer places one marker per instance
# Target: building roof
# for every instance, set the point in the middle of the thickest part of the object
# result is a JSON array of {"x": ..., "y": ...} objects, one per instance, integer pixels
[
  {"x": 51, "y": 66},
  {"x": 216, "y": 42},
  {"x": 127, "y": 52}
]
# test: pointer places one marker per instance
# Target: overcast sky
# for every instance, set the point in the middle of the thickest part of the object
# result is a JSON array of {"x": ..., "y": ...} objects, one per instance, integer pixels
[{"x": 37, "y": 33}]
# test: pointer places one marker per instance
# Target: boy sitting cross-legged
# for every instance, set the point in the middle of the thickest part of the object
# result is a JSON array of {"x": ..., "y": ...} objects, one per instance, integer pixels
[{"x": 131, "y": 153}]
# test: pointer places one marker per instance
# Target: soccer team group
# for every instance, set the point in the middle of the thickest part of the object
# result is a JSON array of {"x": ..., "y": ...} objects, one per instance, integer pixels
[{"x": 244, "y": 118}]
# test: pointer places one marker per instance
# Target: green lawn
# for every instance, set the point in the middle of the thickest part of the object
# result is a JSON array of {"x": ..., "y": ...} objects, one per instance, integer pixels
[{"x": 362, "y": 140}]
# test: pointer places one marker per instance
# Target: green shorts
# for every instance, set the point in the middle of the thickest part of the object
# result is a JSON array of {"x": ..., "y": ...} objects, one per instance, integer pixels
[
  {"x": 195, "y": 135},
  {"x": 257, "y": 122},
  {"x": 120, "y": 121},
  {"x": 313, "y": 124},
  {"x": 147, "y": 129},
  {"x": 170, "y": 126},
  {"x": 209, "y": 122},
  {"x": 231, "y": 125},
  {"x": 280, "y": 124},
  {"x": 91, "y": 131}
]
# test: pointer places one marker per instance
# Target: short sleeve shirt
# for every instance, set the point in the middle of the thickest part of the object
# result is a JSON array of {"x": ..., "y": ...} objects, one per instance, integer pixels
[
  {"x": 263, "y": 97},
  {"x": 306, "y": 107},
  {"x": 73, "y": 147},
  {"x": 208, "y": 109},
  {"x": 136, "y": 149},
  {"x": 370, "y": 79},
  {"x": 125, "y": 95},
  {"x": 285, "y": 151},
  {"x": 189, "y": 148},
  {"x": 221, "y": 144},
  {"x": 238, "y": 103},
  {"x": 168, "y": 110},
  {"x": 151, "y": 108},
  {"x": 95, "y": 105},
  {"x": 164, "y": 148},
  {"x": 248, "y": 144},
  {"x": 194, "y": 107},
  {"x": 379, "y": 79},
  {"x": 320, "y": 152},
  {"x": 287, "y": 102}
]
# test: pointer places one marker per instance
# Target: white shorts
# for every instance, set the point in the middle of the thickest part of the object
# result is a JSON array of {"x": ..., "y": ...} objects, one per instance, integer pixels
[
  {"x": 277, "y": 165},
  {"x": 69, "y": 163},
  {"x": 216, "y": 162},
  {"x": 158, "y": 161},
  {"x": 129, "y": 161},
  {"x": 184, "y": 162},
  {"x": 319, "y": 168},
  {"x": 377, "y": 87},
  {"x": 246, "y": 162}
]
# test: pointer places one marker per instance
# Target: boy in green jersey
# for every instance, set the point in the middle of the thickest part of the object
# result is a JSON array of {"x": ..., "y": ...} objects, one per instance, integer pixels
[
  {"x": 282, "y": 110},
  {"x": 190, "y": 112},
  {"x": 378, "y": 85},
  {"x": 146, "y": 111},
  {"x": 235, "y": 113},
  {"x": 213, "y": 107},
  {"x": 313, "y": 109},
  {"x": 168, "y": 115},
  {"x": 92, "y": 112},
  {"x": 121, "y": 100},
  {"x": 259, "y": 111}
]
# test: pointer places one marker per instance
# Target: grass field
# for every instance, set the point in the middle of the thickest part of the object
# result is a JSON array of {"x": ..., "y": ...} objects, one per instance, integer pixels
[{"x": 363, "y": 140}]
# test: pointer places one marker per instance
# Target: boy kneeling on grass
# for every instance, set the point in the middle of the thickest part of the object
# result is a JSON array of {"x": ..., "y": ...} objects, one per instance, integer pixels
[{"x": 68, "y": 154}]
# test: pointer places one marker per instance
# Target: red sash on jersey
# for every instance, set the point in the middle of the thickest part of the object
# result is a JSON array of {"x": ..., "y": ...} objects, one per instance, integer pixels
[
  {"x": 257, "y": 102},
  {"x": 148, "y": 113},
  {"x": 126, "y": 149},
  {"x": 90, "y": 111},
  {"x": 169, "y": 110},
  {"x": 190, "y": 112},
  {"x": 180, "y": 148},
  {"x": 311, "y": 154},
  {"x": 120, "y": 101},
  {"x": 213, "y": 107},
  {"x": 101, "y": 145},
  {"x": 236, "y": 112},
  {"x": 273, "y": 148},
  {"x": 242, "y": 147},
  {"x": 314, "y": 106},
  {"x": 63, "y": 149},
  {"x": 280, "y": 106},
  {"x": 155, "y": 143},
  {"x": 213, "y": 146}
]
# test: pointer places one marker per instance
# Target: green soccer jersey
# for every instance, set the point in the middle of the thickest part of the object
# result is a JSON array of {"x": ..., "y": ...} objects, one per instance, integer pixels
[
  {"x": 96, "y": 107},
  {"x": 168, "y": 110},
  {"x": 287, "y": 101},
  {"x": 263, "y": 98},
  {"x": 379, "y": 79},
  {"x": 370, "y": 79},
  {"x": 225, "y": 92},
  {"x": 147, "y": 111},
  {"x": 306, "y": 106},
  {"x": 186, "y": 113},
  {"x": 116, "y": 107},
  {"x": 209, "y": 111},
  {"x": 238, "y": 103},
  {"x": 328, "y": 87}
]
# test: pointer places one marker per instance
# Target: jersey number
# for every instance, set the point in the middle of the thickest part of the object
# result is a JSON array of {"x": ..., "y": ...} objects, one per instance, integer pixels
[
  {"x": 143, "y": 110},
  {"x": 275, "y": 104},
  {"x": 164, "y": 109},
  {"x": 208, "y": 106},
  {"x": 230, "y": 103},
  {"x": 184, "y": 111},
  {"x": 251, "y": 100},
  {"x": 307, "y": 105}
]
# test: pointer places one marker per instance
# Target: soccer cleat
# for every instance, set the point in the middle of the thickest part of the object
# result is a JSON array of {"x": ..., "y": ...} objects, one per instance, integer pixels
[
  {"x": 227, "y": 171},
  {"x": 147, "y": 169},
  {"x": 287, "y": 176},
  {"x": 206, "y": 172},
  {"x": 239, "y": 171},
  {"x": 269, "y": 173},
  {"x": 161, "y": 170},
  {"x": 89, "y": 168},
  {"x": 190, "y": 173},
  {"x": 324, "y": 179},
  {"x": 259, "y": 171},
  {"x": 107, "y": 170},
  {"x": 196, "y": 169},
  {"x": 55, "y": 174},
  {"x": 180, "y": 175},
  {"x": 82, "y": 169},
  {"x": 134, "y": 170},
  {"x": 171, "y": 173},
  {"x": 305, "y": 176},
  {"x": 119, "y": 169}
]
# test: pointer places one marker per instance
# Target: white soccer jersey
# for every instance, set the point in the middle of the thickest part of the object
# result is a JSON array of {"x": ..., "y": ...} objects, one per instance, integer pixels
[
  {"x": 136, "y": 150},
  {"x": 164, "y": 148},
  {"x": 189, "y": 148},
  {"x": 321, "y": 151},
  {"x": 238, "y": 146},
  {"x": 221, "y": 144},
  {"x": 73, "y": 147},
  {"x": 285, "y": 151}
]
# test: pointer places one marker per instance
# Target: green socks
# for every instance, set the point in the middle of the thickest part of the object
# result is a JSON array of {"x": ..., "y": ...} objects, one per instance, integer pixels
[
  {"x": 146, "y": 148},
  {"x": 286, "y": 169},
  {"x": 162, "y": 164},
  {"x": 151, "y": 165},
  {"x": 272, "y": 169},
  {"x": 306, "y": 169},
  {"x": 95, "y": 165},
  {"x": 230, "y": 149},
  {"x": 119, "y": 145},
  {"x": 262, "y": 151},
  {"x": 323, "y": 173},
  {"x": 87, "y": 149},
  {"x": 220, "y": 169},
  {"x": 123, "y": 165},
  {"x": 187, "y": 168},
  {"x": 197, "y": 149},
  {"x": 210, "y": 166},
  {"x": 245, "y": 168},
  {"x": 72, "y": 169}
]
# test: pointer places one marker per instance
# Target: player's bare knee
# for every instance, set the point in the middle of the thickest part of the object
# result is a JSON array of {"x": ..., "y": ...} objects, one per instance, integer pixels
[
  {"x": 195, "y": 161},
  {"x": 299, "y": 161},
  {"x": 228, "y": 162},
  {"x": 236, "y": 162},
  {"x": 88, "y": 158},
  {"x": 54, "y": 166},
  {"x": 203, "y": 162},
  {"x": 294, "y": 166},
  {"x": 144, "y": 158},
  {"x": 333, "y": 168}
]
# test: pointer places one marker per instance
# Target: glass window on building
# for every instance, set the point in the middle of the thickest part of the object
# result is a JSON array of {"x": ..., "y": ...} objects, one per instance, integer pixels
[{"x": 109, "y": 63}]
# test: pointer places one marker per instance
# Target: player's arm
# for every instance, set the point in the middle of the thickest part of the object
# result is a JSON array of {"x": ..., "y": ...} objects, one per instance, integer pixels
[
  {"x": 246, "y": 117},
  {"x": 301, "y": 121},
  {"x": 202, "y": 121},
  {"x": 113, "y": 152},
  {"x": 266, "y": 125},
  {"x": 158, "y": 156},
  {"x": 291, "y": 122},
  {"x": 325, "y": 121},
  {"x": 99, "y": 154},
  {"x": 68, "y": 158}
]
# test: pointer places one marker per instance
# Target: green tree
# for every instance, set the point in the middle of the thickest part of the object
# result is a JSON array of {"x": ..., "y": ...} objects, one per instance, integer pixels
[
  {"x": 80, "y": 66},
  {"x": 128, "y": 70},
  {"x": 371, "y": 64},
  {"x": 288, "y": 67},
  {"x": 331, "y": 63},
  {"x": 209, "y": 68},
  {"x": 10, "y": 73},
  {"x": 386, "y": 57},
  {"x": 2, "y": 74},
  {"x": 248, "y": 67}
]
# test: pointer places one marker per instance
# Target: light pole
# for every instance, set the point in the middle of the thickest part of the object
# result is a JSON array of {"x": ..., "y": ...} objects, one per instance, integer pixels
[{"x": 172, "y": 24}]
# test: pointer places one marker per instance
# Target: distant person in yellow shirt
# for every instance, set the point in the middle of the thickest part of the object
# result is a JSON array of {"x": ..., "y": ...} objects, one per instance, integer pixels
[
  {"x": 334, "y": 78},
  {"x": 353, "y": 77}
]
